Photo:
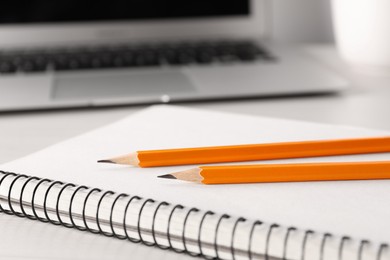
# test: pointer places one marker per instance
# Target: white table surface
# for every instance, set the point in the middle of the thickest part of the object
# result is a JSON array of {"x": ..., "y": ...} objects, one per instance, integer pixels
[{"x": 366, "y": 104}]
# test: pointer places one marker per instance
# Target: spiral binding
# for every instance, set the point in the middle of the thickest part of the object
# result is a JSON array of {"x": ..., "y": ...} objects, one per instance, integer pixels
[
  {"x": 285, "y": 244},
  {"x": 216, "y": 247}
]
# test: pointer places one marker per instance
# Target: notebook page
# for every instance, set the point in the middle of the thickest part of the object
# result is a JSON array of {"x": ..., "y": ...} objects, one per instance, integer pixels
[{"x": 355, "y": 208}]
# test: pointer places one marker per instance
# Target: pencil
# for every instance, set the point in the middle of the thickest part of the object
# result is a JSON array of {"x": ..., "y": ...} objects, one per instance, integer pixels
[
  {"x": 263, "y": 173},
  {"x": 253, "y": 152}
]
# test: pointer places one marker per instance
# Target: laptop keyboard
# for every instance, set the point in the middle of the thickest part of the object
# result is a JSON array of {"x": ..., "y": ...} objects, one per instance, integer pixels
[{"x": 122, "y": 56}]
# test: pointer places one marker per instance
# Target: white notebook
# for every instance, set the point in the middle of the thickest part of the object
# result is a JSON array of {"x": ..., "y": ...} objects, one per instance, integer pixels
[{"x": 311, "y": 220}]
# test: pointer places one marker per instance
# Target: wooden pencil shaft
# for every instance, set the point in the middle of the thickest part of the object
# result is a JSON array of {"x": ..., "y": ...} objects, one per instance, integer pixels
[
  {"x": 295, "y": 172},
  {"x": 265, "y": 151}
]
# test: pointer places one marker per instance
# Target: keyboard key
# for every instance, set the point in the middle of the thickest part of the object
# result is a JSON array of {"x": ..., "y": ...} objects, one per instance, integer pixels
[
  {"x": 146, "y": 58},
  {"x": 7, "y": 66}
]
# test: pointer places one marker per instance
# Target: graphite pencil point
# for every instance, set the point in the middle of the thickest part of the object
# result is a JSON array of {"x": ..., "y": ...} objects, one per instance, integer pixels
[
  {"x": 167, "y": 176},
  {"x": 105, "y": 161}
]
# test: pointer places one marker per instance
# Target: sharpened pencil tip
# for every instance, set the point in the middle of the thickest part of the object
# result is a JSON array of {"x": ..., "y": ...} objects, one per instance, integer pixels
[
  {"x": 105, "y": 161},
  {"x": 167, "y": 176}
]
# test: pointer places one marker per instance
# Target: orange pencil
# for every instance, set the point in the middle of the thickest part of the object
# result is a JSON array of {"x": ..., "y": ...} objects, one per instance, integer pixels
[
  {"x": 284, "y": 172},
  {"x": 254, "y": 152}
]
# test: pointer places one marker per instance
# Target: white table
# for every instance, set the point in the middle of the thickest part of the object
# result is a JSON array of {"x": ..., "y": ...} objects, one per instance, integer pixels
[{"x": 366, "y": 104}]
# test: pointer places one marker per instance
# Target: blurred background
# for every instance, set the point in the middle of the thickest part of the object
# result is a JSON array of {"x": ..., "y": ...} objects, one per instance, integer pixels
[{"x": 302, "y": 21}]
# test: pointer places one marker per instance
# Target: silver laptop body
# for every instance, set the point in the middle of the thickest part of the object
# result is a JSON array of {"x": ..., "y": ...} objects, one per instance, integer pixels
[{"x": 62, "y": 55}]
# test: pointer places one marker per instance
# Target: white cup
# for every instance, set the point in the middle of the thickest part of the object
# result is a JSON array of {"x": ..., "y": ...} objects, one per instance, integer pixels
[{"x": 362, "y": 30}]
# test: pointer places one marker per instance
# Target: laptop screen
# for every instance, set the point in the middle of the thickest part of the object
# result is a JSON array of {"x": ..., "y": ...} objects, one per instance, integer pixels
[{"x": 43, "y": 11}]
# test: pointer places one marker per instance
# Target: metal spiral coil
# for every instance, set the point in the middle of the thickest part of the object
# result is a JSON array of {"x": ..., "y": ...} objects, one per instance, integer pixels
[{"x": 139, "y": 238}]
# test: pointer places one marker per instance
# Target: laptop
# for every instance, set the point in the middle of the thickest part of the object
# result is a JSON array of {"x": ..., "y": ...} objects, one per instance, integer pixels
[{"x": 68, "y": 53}]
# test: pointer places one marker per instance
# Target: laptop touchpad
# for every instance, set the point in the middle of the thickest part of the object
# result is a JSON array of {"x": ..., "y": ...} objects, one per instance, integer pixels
[{"x": 121, "y": 84}]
